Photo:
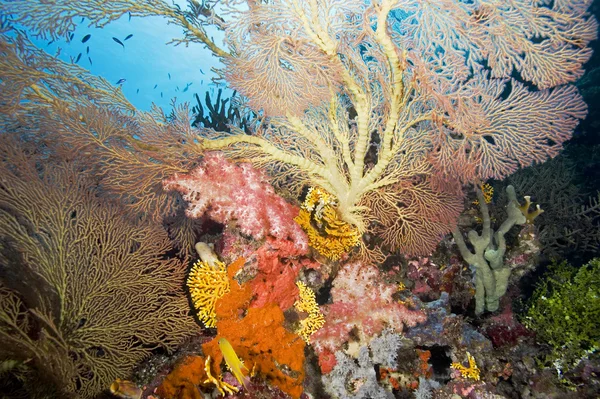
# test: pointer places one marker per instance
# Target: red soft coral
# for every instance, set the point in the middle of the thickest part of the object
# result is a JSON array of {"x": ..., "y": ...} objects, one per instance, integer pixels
[
  {"x": 226, "y": 192},
  {"x": 278, "y": 264}
]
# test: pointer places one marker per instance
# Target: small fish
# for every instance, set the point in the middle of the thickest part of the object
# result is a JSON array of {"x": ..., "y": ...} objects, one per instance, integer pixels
[
  {"x": 202, "y": 82},
  {"x": 90, "y": 60},
  {"x": 78, "y": 58},
  {"x": 137, "y": 91},
  {"x": 130, "y": 16},
  {"x": 129, "y": 36},
  {"x": 118, "y": 41},
  {"x": 161, "y": 96},
  {"x": 201, "y": 71},
  {"x": 176, "y": 88},
  {"x": 233, "y": 361},
  {"x": 187, "y": 86},
  {"x": 155, "y": 86},
  {"x": 71, "y": 36},
  {"x": 169, "y": 75},
  {"x": 87, "y": 50},
  {"x": 82, "y": 19},
  {"x": 50, "y": 42},
  {"x": 86, "y": 38},
  {"x": 121, "y": 81}
]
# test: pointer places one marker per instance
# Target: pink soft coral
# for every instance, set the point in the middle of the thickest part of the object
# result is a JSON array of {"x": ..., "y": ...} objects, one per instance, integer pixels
[
  {"x": 226, "y": 192},
  {"x": 361, "y": 301}
]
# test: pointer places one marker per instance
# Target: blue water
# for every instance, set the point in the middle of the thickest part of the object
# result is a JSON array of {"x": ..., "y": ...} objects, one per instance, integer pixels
[{"x": 145, "y": 60}]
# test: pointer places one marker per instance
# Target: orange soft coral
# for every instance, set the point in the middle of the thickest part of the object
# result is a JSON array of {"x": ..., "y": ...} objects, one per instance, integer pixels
[{"x": 258, "y": 337}]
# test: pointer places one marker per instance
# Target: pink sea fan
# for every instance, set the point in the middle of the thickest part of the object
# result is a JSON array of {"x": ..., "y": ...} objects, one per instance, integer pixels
[{"x": 227, "y": 192}]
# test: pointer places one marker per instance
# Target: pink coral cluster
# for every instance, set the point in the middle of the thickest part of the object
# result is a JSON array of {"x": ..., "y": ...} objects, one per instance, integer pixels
[
  {"x": 226, "y": 192},
  {"x": 361, "y": 301}
]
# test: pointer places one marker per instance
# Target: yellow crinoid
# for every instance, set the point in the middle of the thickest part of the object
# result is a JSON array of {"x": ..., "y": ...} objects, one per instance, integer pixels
[
  {"x": 472, "y": 371},
  {"x": 327, "y": 233},
  {"x": 308, "y": 304}
]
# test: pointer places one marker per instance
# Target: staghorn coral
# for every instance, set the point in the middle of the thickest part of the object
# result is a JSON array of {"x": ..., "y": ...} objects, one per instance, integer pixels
[
  {"x": 219, "y": 117},
  {"x": 87, "y": 292}
]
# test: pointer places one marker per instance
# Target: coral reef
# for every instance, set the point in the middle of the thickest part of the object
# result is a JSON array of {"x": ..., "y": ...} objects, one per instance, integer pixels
[
  {"x": 491, "y": 271},
  {"x": 206, "y": 285},
  {"x": 327, "y": 234},
  {"x": 389, "y": 109},
  {"x": 259, "y": 338},
  {"x": 564, "y": 311},
  {"x": 227, "y": 192},
  {"x": 308, "y": 304},
  {"x": 86, "y": 291},
  {"x": 355, "y": 379},
  {"x": 362, "y": 304}
]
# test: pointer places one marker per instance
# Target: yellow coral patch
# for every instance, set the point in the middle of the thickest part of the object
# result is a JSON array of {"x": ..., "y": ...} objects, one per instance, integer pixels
[
  {"x": 468, "y": 372},
  {"x": 207, "y": 284},
  {"x": 308, "y": 304},
  {"x": 488, "y": 193},
  {"x": 327, "y": 232}
]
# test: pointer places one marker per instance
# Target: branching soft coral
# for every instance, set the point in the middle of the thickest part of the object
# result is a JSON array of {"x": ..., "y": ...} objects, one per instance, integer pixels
[
  {"x": 227, "y": 192},
  {"x": 364, "y": 303}
]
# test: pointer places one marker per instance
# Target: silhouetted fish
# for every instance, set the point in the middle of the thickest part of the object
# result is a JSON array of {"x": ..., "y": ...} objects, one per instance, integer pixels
[
  {"x": 87, "y": 50},
  {"x": 121, "y": 81},
  {"x": 82, "y": 19},
  {"x": 155, "y": 86},
  {"x": 169, "y": 76},
  {"x": 86, "y": 38},
  {"x": 50, "y": 42},
  {"x": 90, "y": 60},
  {"x": 78, "y": 58},
  {"x": 161, "y": 94},
  {"x": 71, "y": 36},
  {"x": 129, "y": 36},
  {"x": 118, "y": 41},
  {"x": 137, "y": 91},
  {"x": 130, "y": 16},
  {"x": 201, "y": 71}
]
